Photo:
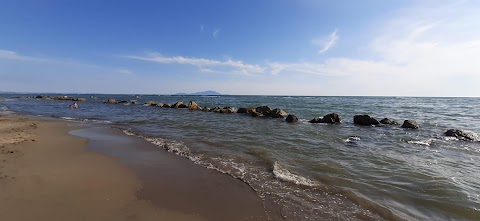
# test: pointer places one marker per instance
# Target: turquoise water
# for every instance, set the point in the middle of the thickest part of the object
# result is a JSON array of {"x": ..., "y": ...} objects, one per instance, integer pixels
[{"x": 306, "y": 171}]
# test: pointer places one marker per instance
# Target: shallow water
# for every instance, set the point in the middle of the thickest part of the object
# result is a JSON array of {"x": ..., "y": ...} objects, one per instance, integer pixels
[{"x": 309, "y": 171}]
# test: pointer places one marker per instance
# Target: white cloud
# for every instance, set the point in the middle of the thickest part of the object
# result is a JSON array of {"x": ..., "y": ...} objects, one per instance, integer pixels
[
  {"x": 326, "y": 43},
  {"x": 204, "y": 65},
  {"x": 433, "y": 53},
  {"x": 12, "y": 55},
  {"x": 215, "y": 33}
]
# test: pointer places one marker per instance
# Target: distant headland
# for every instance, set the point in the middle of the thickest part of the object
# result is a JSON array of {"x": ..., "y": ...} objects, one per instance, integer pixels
[{"x": 201, "y": 93}]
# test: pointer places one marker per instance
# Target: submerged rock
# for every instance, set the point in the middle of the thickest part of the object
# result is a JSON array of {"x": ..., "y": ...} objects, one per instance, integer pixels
[
  {"x": 460, "y": 134},
  {"x": 365, "y": 120},
  {"x": 205, "y": 109},
  {"x": 192, "y": 105},
  {"x": 412, "y": 124},
  {"x": 388, "y": 121},
  {"x": 291, "y": 118},
  {"x": 277, "y": 113}
]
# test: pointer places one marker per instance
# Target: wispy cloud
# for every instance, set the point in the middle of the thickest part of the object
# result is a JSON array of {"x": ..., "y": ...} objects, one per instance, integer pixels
[
  {"x": 202, "y": 28},
  {"x": 215, "y": 33},
  {"x": 12, "y": 55},
  {"x": 228, "y": 66},
  {"x": 326, "y": 43}
]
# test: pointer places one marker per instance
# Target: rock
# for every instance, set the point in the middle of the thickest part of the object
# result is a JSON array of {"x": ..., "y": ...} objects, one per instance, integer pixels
[
  {"x": 192, "y": 105},
  {"x": 205, "y": 109},
  {"x": 291, "y": 118},
  {"x": 365, "y": 120},
  {"x": 39, "y": 97},
  {"x": 412, "y": 124},
  {"x": 277, "y": 113},
  {"x": 150, "y": 103},
  {"x": 123, "y": 102},
  {"x": 179, "y": 105},
  {"x": 460, "y": 134},
  {"x": 332, "y": 118},
  {"x": 242, "y": 110},
  {"x": 160, "y": 104},
  {"x": 226, "y": 110},
  {"x": 167, "y": 105},
  {"x": 264, "y": 110},
  {"x": 215, "y": 109},
  {"x": 111, "y": 101},
  {"x": 316, "y": 120},
  {"x": 388, "y": 121},
  {"x": 254, "y": 113}
]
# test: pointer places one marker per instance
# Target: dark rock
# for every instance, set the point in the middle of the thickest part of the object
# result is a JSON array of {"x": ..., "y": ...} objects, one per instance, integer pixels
[
  {"x": 167, "y": 105},
  {"x": 412, "y": 124},
  {"x": 277, "y": 113},
  {"x": 332, "y": 118},
  {"x": 160, "y": 104},
  {"x": 205, "y": 109},
  {"x": 39, "y": 97},
  {"x": 254, "y": 113},
  {"x": 192, "y": 105},
  {"x": 264, "y": 110},
  {"x": 226, "y": 110},
  {"x": 365, "y": 120},
  {"x": 111, "y": 101},
  {"x": 316, "y": 120},
  {"x": 215, "y": 109},
  {"x": 123, "y": 102},
  {"x": 460, "y": 134},
  {"x": 242, "y": 110},
  {"x": 291, "y": 118},
  {"x": 389, "y": 121}
]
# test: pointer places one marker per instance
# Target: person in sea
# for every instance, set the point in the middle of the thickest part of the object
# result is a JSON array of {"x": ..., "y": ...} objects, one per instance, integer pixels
[{"x": 74, "y": 105}]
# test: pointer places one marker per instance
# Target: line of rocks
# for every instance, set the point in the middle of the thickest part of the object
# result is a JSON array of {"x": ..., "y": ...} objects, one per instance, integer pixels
[
  {"x": 332, "y": 118},
  {"x": 58, "y": 98}
]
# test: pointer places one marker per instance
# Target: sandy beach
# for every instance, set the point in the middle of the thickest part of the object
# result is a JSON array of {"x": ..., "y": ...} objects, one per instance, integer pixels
[{"x": 48, "y": 174}]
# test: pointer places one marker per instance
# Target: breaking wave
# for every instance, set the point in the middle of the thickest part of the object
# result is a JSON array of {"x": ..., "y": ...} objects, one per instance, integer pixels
[{"x": 283, "y": 174}]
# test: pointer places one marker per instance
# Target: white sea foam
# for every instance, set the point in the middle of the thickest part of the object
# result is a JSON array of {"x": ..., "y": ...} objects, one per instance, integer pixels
[
  {"x": 68, "y": 118},
  {"x": 283, "y": 174},
  {"x": 426, "y": 142},
  {"x": 352, "y": 139}
]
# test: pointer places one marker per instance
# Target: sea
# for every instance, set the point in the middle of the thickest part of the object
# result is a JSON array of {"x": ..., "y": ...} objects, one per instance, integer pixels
[{"x": 304, "y": 171}]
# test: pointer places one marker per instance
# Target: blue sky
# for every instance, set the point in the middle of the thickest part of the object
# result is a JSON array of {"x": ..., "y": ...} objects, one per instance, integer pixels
[{"x": 283, "y": 47}]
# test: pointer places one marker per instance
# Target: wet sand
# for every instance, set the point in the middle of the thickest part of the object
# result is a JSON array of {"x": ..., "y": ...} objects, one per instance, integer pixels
[{"x": 48, "y": 174}]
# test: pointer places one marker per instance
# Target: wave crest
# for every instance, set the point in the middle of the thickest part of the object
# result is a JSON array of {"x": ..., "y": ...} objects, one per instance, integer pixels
[{"x": 283, "y": 174}]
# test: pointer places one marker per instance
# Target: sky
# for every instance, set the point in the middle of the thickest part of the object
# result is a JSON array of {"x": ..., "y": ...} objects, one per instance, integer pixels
[{"x": 242, "y": 47}]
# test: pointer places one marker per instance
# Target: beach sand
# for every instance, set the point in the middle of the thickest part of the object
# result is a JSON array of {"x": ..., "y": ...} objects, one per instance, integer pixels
[{"x": 48, "y": 174}]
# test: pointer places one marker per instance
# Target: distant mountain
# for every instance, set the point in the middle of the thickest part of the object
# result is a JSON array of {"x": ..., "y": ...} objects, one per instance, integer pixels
[{"x": 201, "y": 93}]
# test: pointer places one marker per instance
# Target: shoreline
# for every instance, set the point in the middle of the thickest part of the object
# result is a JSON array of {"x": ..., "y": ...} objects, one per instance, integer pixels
[{"x": 55, "y": 175}]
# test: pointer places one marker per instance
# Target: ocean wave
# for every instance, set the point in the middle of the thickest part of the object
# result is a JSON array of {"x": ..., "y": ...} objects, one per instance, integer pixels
[
  {"x": 283, "y": 174},
  {"x": 426, "y": 142},
  {"x": 68, "y": 118},
  {"x": 172, "y": 146},
  {"x": 352, "y": 139}
]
